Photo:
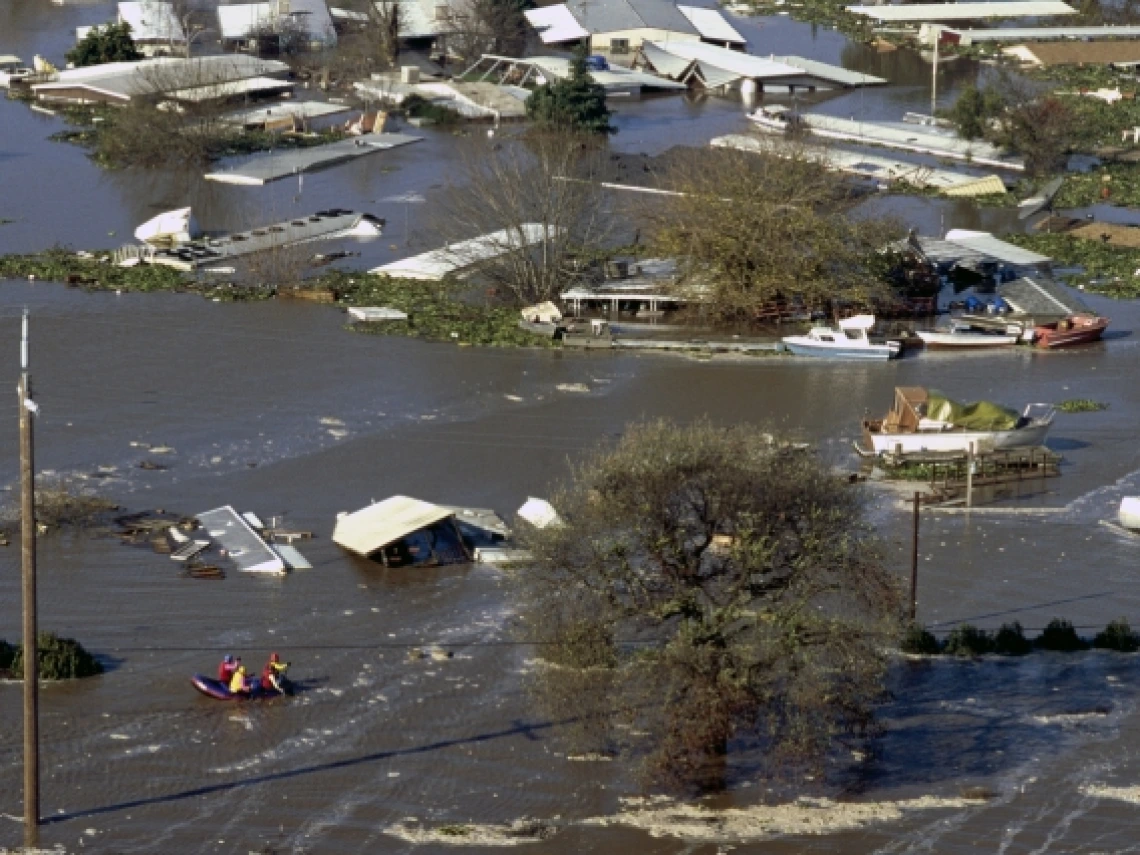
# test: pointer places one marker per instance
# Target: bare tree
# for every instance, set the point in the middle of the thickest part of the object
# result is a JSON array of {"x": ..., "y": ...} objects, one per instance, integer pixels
[
  {"x": 542, "y": 186},
  {"x": 768, "y": 226},
  {"x": 488, "y": 26},
  {"x": 708, "y": 584}
]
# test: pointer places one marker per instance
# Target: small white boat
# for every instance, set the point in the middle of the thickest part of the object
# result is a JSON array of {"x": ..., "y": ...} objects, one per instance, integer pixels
[
  {"x": 966, "y": 335},
  {"x": 772, "y": 119},
  {"x": 170, "y": 228},
  {"x": 850, "y": 341},
  {"x": 1129, "y": 514},
  {"x": 908, "y": 429}
]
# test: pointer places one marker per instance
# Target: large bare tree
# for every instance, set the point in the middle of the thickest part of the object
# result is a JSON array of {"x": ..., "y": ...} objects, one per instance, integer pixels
[
  {"x": 705, "y": 585},
  {"x": 539, "y": 191}
]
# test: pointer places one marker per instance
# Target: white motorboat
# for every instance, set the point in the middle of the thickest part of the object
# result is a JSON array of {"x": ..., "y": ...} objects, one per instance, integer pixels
[
  {"x": 850, "y": 341},
  {"x": 170, "y": 228},
  {"x": 923, "y": 421},
  {"x": 966, "y": 334},
  {"x": 772, "y": 118}
]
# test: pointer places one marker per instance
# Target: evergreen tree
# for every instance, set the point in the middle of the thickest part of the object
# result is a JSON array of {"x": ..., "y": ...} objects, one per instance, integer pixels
[
  {"x": 110, "y": 43},
  {"x": 576, "y": 103}
]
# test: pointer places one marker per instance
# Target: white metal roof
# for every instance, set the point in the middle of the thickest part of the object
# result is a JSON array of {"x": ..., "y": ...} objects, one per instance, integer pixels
[
  {"x": 617, "y": 76},
  {"x": 916, "y": 12},
  {"x": 243, "y": 545},
  {"x": 151, "y": 21},
  {"x": 239, "y": 21},
  {"x": 1040, "y": 34},
  {"x": 296, "y": 109},
  {"x": 741, "y": 64},
  {"x": 986, "y": 244},
  {"x": 457, "y": 257},
  {"x": 555, "y": 24},
  {"x": 712, "y": 25},
  {"x": 371, "y": 529},
  {"x": 230, "y": 89},
  {"x": 831, "y": 73}
]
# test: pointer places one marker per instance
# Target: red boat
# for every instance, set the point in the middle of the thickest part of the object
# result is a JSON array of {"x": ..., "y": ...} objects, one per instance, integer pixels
[{"x": 1076, "y": 329}]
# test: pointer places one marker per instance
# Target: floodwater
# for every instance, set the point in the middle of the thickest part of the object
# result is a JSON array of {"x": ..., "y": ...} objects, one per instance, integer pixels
[{"x": 274, "y": 408}]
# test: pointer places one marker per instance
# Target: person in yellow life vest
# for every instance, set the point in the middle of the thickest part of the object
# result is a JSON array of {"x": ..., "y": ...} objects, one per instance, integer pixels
[
  {"x": 274, "y": 673},
  {"x": 238, "y": 684}
]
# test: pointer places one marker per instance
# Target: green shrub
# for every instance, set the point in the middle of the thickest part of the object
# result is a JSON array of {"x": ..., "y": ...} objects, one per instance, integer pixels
[
  {"x": 7, "y": 655},
  {"x": 1081, "y": 405},
  {"x": 1059, "y": 635},
  {"x": 1118, "y": 635},
  {"x": 966, "y": 640},
  {"x": 59, "y": 659},
  {"x": 919, "y": 640},
  {"x": 1011, "y": 641}
]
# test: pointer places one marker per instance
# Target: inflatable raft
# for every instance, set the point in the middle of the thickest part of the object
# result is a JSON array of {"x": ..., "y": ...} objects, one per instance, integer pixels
[{"x": 220, "y": 691}]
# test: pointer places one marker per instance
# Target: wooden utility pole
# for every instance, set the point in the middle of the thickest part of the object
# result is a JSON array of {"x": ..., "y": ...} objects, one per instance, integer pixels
[
  {"x": 914, "y": 564},
  {"x": 28, "y": 565}
]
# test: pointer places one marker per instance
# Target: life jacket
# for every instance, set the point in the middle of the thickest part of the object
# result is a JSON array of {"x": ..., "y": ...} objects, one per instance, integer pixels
[{"x": 237, "y": 682}]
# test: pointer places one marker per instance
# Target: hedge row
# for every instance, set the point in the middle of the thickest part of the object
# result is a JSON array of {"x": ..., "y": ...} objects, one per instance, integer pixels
[{"x": 1010, "y": 640}]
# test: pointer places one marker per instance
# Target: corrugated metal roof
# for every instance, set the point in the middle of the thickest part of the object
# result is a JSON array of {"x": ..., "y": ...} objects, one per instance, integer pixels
[
  {"x": 457, "y": 257},
  {"x": 916, "y": 12},
  {"x": 555, "y": 24},
  {"x": 616, "y": 78},
  {"x": 243, "y": 545},
  {"x": 714, "y": 77},
  {"x": 831, "y": 73},
  {"x": 230, "y": 89},
  {"x": 126, "y": 79},
  {"x": 616, "y": 15},
  {"x": 371, "y": 529},
  {"x": 1041, "y": 297},
  {"x": 711, "y": 24},
  {"x": 1017, "y": 34},
  {"x": 741, "y": 64},
  {"x": 665, "y": 63},
  {"x": 986, "y": 243},
  {"x": 152, "y": 20}
]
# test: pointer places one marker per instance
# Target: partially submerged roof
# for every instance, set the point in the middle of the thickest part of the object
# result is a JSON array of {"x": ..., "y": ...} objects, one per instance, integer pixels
[
  {"x": 124, "y": 80},
  {"x": 1041, "y": 297},
  {"x": 369, "y": 530},
  {"x": 152, "y": 21},
  {"x": 712, "y": 25},
  {"x": 917, "y": 12},
  {"x": 264, "y": 168},
  {"x": 832, "y": 73},
  {"x": 526, "y": 70},
  {"x": 231, "y": 89},
  {"x": 617, "y": 15},
  {"x": 243, "y": 545},
  {"x": 289, "y": 109},
  {"x": 986, "y": 244},
  {"x": 741, "y": 64},
  {"x": 458, "y": 257}
]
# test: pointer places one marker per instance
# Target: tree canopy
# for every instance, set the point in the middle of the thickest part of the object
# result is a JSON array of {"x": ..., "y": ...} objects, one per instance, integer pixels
[
  {"x": 576, "y": 103},
  {"x": 708, "y": 584},
  {"x": 109, "y": 43},
  {"x": 758, "y": 228}
]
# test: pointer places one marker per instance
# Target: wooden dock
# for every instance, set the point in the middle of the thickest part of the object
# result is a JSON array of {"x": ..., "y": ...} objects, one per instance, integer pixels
[{"x": 954, "y": 477}]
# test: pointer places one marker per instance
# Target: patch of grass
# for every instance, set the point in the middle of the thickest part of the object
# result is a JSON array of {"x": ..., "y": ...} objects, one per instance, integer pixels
[
  {"x": 909, "y": 472},
  {"x": 436, "y": 311},
  {"x": 1060, "y": 636},
  {"x": 57, "y": 658},
  {"x": 918, "y": 640},
  {"x": 1082, "y": 189},
  {"x": 454, "y": 830},
  {"x": 1011, "y": 641},
  {"x": 1118, "y": 635},
  {"x": 967, "y": 640},
  {"x": 1081, "y": 405}
]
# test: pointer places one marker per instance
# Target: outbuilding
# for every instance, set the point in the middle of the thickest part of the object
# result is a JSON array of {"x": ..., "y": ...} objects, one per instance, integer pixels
[{"x": 401, "y": 532}]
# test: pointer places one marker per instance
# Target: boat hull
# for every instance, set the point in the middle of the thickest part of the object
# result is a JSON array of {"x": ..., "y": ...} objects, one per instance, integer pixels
[
  {"x": 964, "y": 341},
  {"x": 876, "y": 352},
  {"x": 912, "y": 443},
  {"x": 1130, "y": 512},
  {"x": 1050, "y": 337},
  {"x": 217, "y": 690}
]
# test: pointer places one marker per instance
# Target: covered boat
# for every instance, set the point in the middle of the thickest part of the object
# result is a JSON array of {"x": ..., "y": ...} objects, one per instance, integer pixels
[
  {"x": 850, "y": 341},
  {"x": 967, "y": 333},
  {"x": 924, "y": 420}
]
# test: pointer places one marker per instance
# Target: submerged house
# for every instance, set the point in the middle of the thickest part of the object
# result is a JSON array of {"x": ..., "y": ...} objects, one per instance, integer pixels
[{"x": 402, "y": 532}]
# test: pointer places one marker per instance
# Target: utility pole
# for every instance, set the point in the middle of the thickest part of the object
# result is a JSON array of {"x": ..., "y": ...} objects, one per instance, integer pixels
[
  {"x": 934, "y": 80},
  {"x": 28, "y": 566},
  {"x": 914, "y": 564}
]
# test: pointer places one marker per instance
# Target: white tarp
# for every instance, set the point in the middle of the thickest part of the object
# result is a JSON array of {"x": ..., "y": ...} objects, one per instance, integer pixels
[{"x": 370, "y": 529}]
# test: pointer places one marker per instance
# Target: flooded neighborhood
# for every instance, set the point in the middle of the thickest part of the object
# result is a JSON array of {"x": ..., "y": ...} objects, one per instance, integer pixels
[{"x": 615, "y": 426}]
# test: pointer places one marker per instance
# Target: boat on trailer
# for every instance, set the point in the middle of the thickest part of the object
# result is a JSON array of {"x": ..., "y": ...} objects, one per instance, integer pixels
[
  {"x": 922, "y": 421},
  {"x": 850, "y": 341}
]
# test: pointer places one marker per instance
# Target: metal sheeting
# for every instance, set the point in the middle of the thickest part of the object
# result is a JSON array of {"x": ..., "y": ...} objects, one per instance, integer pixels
[
  {"x": 555, "y": 24},
  {"x": 712, "y": 25},
  {"x": 456, "y": 258},
  {"x": 1019, "y": 34},
  {"x": 917, "y": 12},
  {"x": 272, "y": 112},
  {"x": 261, "y": 169},
  {"x": 663, "y": 62},
  {"x": 616, "y": 77},
  {"x": 243, "y": 545},
  {"x": 617, "y": 15},
  {"x": 987, "y": 244},
  {"x": 151, "y": 76},
  {"x": 740, "y": 64},
  {"x": 714, "y": 77},
  {"x": 1042, "y": 297},
  {"x": 369, "y": 530}
]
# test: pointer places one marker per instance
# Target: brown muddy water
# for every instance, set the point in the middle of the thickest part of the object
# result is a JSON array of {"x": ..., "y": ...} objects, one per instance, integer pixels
[{"x": 273, "y": 407}]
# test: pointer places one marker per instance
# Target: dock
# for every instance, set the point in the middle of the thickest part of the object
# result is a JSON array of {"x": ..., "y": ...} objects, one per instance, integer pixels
[
  {"x": 880, "y": 169},
  {"x": 953, "y": 477},
  {"x": 271, "y": 167},
  {"x": 908, "y": 137},
  {"x": 323, "y": 225}
]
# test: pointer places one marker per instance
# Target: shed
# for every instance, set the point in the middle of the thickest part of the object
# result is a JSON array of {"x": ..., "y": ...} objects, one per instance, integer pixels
[{"x": 401, "y": 531}]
